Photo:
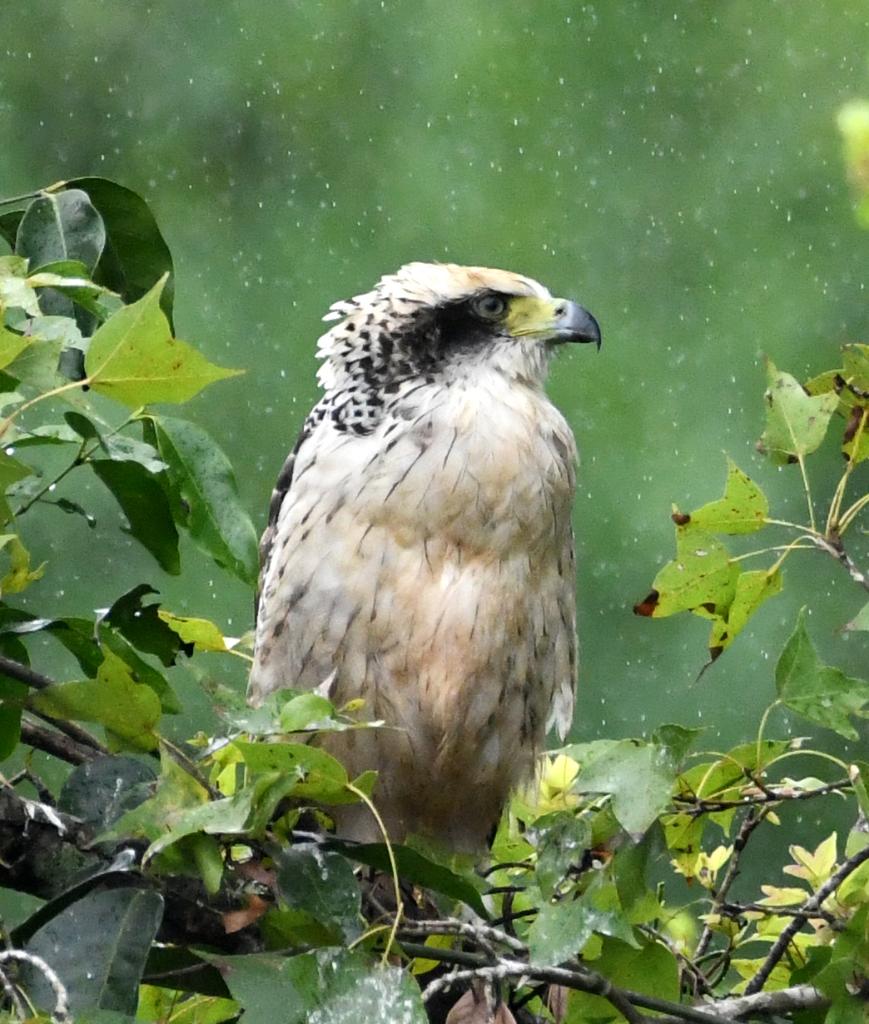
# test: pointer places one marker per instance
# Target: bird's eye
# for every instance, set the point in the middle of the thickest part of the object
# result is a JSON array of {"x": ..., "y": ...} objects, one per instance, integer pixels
[{"x": 489, "y": 307}]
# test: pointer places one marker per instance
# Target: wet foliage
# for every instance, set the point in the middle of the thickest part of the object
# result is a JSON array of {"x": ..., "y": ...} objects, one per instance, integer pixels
[{"x": 194, "y": 878}]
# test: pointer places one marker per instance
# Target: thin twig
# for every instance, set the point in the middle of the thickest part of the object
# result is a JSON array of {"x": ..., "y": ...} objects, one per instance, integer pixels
[
  {"x": 749, "y": 824},
  {"x": 807, "y": 910},
  {"x": 37, "y": 681},
  {"x": 739, "y": 909},
  {"x": 24, "y": 674},
  {"x": 452, "y": 926},
  {"x": 700, "y": 805}
]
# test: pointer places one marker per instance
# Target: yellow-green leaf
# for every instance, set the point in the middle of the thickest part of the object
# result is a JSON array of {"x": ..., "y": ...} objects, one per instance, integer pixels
[
  {"x": 134, "y": 359},
  {"x": 701, "y": 578},
  {"x": 752, "y": 589},
  {"x": 14, "y": 289},
  {"x": 796, "y": 422},
  {"x": 778, "y": 896},
  {"x": 11, "y": 345},
  {"x": 204, "y": 635},
  {"x": 128, "y": 710},
  {"x": 20, "y": 575},
  {"x": 742, "y": 509}
]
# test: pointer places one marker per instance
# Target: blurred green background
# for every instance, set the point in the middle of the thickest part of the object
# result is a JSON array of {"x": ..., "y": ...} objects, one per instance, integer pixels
[{"x": 674, "y": 166}]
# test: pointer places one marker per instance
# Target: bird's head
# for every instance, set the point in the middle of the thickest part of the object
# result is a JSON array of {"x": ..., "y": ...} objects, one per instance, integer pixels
[{"x": 440, "y": 319}]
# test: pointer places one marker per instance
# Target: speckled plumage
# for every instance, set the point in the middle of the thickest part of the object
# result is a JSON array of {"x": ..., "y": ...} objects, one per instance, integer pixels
[{"x": 419, "y": 552}]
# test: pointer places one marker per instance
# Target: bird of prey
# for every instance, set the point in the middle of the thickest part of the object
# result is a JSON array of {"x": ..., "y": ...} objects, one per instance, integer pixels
[{"x": 419, "y": 552}]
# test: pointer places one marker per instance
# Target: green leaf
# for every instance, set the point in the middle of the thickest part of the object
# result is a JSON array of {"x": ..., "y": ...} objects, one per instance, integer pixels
[
  {"x": 561, "y": 929},
  {"x": 99, "y": 792},
  {"x": 15, "y": 292},
  {"x": 176, "y": 792},
  {"x": 651, "y": 969},
  {"x": 11, "y": 346},
  {"x": 818, "y": 692},
  {"x": 202, "y": 634},
  {"x": 319, "y": 776},
  {"x": 19, "y": 575},
  {"x": 639, "y": 776},
  {"x": 328, "y": 986},
  {"x": 98, "y": 947},
  {"x": 134, "y": 359},
  {"x": 12, "y": 697},
  {"x": 561, "y": 846},
  {"x": 169, "y": 1006},
  {"x": 72, "y": 279},
  {"x": 307, "y": 711},
  {"x": 61, "y": 226},
  {"x": 677, "y": 739},
  {"x": 143, "y": 625},
  {"x": 860, "y": 620},
  {"x": 9, "y": 222},
  {"x": 855, "y": 367},
  {"x": 216, "y": 817},
  {"x": 323, "y": 885},
  {"x": 128, "y": 710},
  {"x": 701, "y": 577},
  {"x": 743, "y": 508},
  {"x": 146, "y": 507},
  {"x": 202, "y": 481},
  {"x": 416, "y": 868},
  {"x": 37, "y": 365},
  {"x": 752, "y": 589},
  {"x": 117, "y": 447},
  {"x": 57, "y": 328},
  {"x": 136, "y": 255},
  {"x": 11, "y": 470},
  {"x": 796, "y": 423}
]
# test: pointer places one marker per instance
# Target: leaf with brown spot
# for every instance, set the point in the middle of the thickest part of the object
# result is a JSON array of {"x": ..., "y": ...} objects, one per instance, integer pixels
[
  {"x": 700, "y": 575},
  {"x": 742, "y": 509},
  {"x": 648, "y": 605},
  {"x": 796, "y": 422}
]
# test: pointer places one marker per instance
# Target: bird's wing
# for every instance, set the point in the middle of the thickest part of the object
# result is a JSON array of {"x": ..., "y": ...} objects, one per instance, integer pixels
[
  {"x": 566, "y": 655},
  {"x": 279, "y": 492}
]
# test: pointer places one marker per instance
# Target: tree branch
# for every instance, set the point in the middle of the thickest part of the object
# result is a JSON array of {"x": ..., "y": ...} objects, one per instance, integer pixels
[
  {"x": 749, "y": 824},
  {"x": 56, "y": 743},
  {"x": 807, "y": 910},
  {"x": 700, "y": 805},
  {"x": 37, "y": 681}
]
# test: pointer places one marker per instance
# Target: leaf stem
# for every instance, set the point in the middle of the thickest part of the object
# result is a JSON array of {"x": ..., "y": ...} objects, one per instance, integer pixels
[
  {"x": 792, "y": 526},
  {"x": 754, "y": 817},
  {"x": 6, "y": 423},
  {"x": 795, "y": 546},
  {"x": 393, "y": 866},
  {"x": 761, "y": 727},
  {"x": 851, "y": 514},
  {"x": 833, "y": 523}
]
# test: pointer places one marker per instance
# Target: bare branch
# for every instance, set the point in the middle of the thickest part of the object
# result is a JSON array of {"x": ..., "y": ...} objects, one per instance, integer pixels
[
  {"x": 807, "y": 910},
  {"x": 749, "y": 824},
  {"x": 24, "y": 674},
  {"x": 700, "y": 805},
  {"x": 56, "y": 743}
]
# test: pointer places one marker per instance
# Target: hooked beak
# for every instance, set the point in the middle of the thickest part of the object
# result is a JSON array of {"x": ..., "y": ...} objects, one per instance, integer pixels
[
  {"x": 574, "y": 323},
  {"x": 548, "y": 319}
]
